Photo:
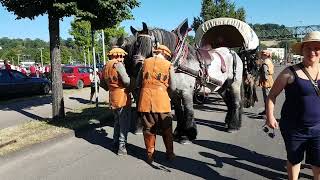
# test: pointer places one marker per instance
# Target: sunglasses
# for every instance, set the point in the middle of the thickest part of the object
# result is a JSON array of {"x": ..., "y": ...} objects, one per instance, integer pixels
[{"x": 266, "y": 130}]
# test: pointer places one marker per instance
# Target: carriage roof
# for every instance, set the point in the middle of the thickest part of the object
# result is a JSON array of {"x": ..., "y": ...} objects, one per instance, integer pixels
[{"x": 235, "y": 33}]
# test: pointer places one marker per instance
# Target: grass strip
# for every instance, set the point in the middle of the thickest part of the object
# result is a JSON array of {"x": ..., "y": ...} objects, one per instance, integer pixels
[{"x": 33, "y": 132}]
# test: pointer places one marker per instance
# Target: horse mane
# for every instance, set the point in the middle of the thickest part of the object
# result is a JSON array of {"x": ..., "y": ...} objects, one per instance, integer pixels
[
  {"x": 165, "y": 37},
  {"x": 128, "y": 46}
]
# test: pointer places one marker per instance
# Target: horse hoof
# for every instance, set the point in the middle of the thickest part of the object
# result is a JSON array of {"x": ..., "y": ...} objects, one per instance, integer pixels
[
  {"x": 232, "y": 130},
  {"x": 185, "y": 141}
]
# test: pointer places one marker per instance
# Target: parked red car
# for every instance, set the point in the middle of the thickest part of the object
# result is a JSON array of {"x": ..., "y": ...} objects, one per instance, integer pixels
[{"x": 76, "y": 76}]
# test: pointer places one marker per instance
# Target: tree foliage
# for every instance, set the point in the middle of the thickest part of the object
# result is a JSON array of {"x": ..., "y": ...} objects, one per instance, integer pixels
[
  {"x": 106, "y": 13},
  {"x": 190, "y": 39},
  {"x": 28, "y": 49},
  {"x": 100, "y": 13},
  {"x": 81, "y": 32},
  {"x": 267, "y": 26},
  {"x": 211, "y": 9}
]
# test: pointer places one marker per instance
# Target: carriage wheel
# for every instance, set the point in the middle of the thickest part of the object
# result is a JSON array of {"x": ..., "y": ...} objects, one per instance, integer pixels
[{"x": 199, "y": 98}]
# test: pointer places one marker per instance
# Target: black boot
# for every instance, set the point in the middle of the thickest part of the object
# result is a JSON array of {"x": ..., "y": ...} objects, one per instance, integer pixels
[
  {"x": 150, "y": 142},
  {"x": 168, "y": 142}
]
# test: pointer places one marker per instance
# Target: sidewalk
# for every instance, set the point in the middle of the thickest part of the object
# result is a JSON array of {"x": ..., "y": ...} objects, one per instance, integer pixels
[{"x": 38, "y": 108}]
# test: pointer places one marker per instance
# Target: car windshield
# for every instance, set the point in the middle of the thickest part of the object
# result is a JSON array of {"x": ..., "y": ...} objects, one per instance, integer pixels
[{"x": 67, "y": 69}]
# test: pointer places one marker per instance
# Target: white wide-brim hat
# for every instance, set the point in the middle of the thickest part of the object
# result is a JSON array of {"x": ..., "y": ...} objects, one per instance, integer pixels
[{"x": 313, "y": 36}]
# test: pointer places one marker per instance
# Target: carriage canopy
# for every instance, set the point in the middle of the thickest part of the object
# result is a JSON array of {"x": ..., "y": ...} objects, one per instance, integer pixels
[{"x": 235, "y": 33}]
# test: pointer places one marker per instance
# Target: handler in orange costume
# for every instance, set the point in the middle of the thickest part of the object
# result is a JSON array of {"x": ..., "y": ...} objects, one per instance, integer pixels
[
  {"x": 156, "y": 76},
  {"x": 118, "y": 82}
]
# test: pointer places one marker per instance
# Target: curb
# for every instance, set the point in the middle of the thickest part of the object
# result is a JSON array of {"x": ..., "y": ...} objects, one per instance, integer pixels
[{"x": 23, "y": 152}]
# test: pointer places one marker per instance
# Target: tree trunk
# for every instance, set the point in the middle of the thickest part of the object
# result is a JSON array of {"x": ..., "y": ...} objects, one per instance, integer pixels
[{"x": 55, "y": 57}]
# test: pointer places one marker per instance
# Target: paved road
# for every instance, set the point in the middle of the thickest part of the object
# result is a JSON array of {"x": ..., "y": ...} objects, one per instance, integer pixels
[
  {"x": 247, "y": 155},
  {"x": 27, "y": 109}
]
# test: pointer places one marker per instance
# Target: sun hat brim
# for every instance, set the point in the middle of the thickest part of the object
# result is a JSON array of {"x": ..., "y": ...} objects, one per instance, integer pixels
[
  {"x": 313, "y": 36},
  {"x": 162, "y": 51},
  {"x": 297, "y": 47}
]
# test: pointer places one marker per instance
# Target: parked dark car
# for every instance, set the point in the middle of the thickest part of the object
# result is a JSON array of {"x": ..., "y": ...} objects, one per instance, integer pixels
[
  {"x": 76, "y": 76},
  {"x": 14, "y": 83}
]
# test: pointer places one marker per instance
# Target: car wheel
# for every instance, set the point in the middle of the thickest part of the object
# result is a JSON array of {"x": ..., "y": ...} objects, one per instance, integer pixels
[
  {"x": 46, "y": 89},
  {"x": 80, "y": 84}
]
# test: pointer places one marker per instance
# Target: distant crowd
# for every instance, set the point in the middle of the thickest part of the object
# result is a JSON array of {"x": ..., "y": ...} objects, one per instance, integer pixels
[{"x": 35, "y": 70}]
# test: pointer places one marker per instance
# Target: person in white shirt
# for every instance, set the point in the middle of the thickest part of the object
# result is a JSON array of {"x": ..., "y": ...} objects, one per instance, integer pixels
[{"x": 93, "y": 90}]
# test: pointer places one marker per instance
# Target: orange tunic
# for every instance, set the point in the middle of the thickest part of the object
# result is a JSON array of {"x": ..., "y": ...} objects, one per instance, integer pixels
[
  {"x": 155, "y": 78},
  {"x": 118, "y": 94},
  {"x": 269, "y": 82}
]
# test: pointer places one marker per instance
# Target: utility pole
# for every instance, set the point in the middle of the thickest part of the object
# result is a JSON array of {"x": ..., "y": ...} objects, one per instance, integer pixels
[
  {"x": 41, "y": 56},
  {"x": 103, "y": 48},
  {"x": 18, "y": 58},
  {"x": 88, "y": 56},
  {"x": 84, "y": 56}
]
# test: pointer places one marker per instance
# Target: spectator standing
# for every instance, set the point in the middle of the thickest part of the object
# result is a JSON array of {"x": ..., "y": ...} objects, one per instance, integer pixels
[
  {"x": 47, "y": 72},
  {"x": 7, "y": 66},
  {"x": 92, "y": 85},
  {"x": 23, "y": 70},
  {"x": 33, "y": 71},
  {"x": 300, "y": 114}
]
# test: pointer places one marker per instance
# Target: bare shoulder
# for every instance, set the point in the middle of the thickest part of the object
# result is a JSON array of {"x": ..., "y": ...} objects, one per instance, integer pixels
[{"x": 287, "y": 75}]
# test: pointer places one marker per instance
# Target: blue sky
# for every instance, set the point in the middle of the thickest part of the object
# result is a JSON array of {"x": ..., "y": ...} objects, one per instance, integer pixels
[{"x": 168, "y": 14}]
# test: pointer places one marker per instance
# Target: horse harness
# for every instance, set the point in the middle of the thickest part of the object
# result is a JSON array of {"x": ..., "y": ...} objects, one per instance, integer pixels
[
  {"x": 180, "y": 56},
  {"x": 204, "y": 59}
]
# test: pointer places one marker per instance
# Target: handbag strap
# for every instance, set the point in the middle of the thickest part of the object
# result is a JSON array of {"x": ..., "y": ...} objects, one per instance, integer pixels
[{"x": 313, "y": 82}]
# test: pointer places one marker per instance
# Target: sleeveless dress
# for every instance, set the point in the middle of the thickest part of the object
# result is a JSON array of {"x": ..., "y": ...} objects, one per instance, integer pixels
[{"x": 300, "y": 121}]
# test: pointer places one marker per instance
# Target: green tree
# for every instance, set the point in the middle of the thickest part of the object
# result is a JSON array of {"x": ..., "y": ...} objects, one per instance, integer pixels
[
  {"x": 81, "y": 32},
  {"x": 190, "y": 39},
  {"x": 211, "y": 9},
  {"x": 11, "y": 48},
  {"x": 107, "y": 14},
  {"x": 113, "y": 32},
  {"x": 101, "y": 14}
]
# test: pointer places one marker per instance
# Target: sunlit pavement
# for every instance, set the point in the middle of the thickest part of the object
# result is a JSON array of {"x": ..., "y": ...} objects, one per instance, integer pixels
[{"x": 20, "y": 110}]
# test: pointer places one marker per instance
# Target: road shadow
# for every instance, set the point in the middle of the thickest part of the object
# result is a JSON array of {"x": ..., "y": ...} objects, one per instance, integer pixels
[
  {"x": 98, "y": 136},
  {"x": 22, "y": 107},
  {"x": 253, "y": 115},
  {"x": 240, "y": 154},
  {"x": 80, "y": 100},
  {"x": 208, "y": 108},
  {"x": 219, "y": 126}
]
